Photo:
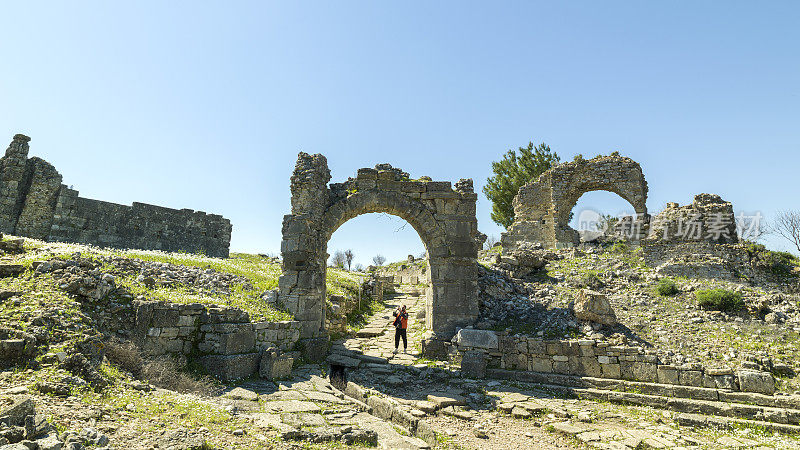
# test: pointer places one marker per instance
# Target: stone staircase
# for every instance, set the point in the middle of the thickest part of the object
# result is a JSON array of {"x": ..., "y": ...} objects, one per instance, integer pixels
[{"x": 699, "y": 406}]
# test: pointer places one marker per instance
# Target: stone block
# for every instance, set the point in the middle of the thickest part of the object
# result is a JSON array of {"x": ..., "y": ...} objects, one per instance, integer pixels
[
  {"x": 274, "y": 366},
  {"x": 187, "y": 321},
  {"x": 611, "y": 371},
  {"x": 240, "y": 342},
  {"x": 639, "y": 371},
  {"x": 586, "y": 350},
  {"x": 231, "y": 367},
  {"x": 554, "y": 348},
  {"x": 667, "y": 374},
  {"x": 473, "y": 364},
  {"x": 164, "y": 317},
  {"x": 691, "y": 378},
  {"x": 367, "y": 174},
  {"x": 355, "y": 391},
  {"x": 561, "y": 367},
  {"x": 590, "y": 367},
  {"x": 15, "y": 413},
  {"x": 381, "y": 408},
  {"x": 595, "y": 307},
  {"x": 314, "y": 349},
  {"x": 540, "y": 364},
  {"x": 536, "y": 347},
  {"x": 365, "y": 184},
  {"x": 169, "y": 332},
  {"x": 434, "y": 348},
  {"x": 725, "y": 381},
  {"x": 484, "y": 339},
  {"x": 756, "y": 381},
  {"x": 438, "y": 186}
]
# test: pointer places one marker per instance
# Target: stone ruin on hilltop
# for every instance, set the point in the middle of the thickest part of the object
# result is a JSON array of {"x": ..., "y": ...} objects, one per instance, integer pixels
[
  {"x": 34, "y": 203},
  {"x": 542, "y": 207},
  {"x": 696, "y": 240}
]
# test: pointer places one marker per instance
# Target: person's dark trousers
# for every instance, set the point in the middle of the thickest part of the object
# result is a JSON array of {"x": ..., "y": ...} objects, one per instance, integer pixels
[{"x": 398, "y": 333}]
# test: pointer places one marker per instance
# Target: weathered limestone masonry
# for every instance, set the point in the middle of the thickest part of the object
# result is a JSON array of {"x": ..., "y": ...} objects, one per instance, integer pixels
[
  {"x": 593, "y": 358},
  {"x": 443, "y": 217},
  {"x": 412, "y": 273},
  {"x": 34, "y": 203},
  {"x": 696, "y": 240},
  {"x": 226, "y": 342},
  {"x": 542, "y": 207},
  {"x": 708, "y": 218}
]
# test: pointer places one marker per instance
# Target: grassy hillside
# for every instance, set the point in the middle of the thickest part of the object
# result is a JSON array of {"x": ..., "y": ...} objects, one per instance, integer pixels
[{"x": 261, "y": 274}]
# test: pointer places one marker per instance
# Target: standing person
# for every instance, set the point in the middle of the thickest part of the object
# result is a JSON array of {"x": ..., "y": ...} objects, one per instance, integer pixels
[{"x": 400, "y": 325}]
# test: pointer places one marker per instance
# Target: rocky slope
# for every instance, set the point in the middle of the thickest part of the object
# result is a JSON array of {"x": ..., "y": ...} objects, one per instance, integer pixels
[{"x": 537, "y": 298}]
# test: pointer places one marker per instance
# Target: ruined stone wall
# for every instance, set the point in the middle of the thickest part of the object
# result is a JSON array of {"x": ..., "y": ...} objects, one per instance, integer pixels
[
  {"x": 542, "y": 207},
  {"x": 413, "y": 273},
  {"x": 224, "y": 339},
  {"x": 698, "y": 241},
  {"x": 44, "y": 182},
  {"x": 34, "y": 203},
  {"x": 592, "y": 358},
  {"x": 708, "y": 218}
]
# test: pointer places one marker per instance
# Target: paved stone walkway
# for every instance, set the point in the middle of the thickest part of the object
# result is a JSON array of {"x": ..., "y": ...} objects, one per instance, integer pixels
[
  {"x": 376, "y": 339},
  {"x": 309, "y": 408}
]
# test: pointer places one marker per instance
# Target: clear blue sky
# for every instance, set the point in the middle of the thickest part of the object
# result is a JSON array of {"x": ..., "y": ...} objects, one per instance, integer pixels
[{"x": 204, "y": 105}]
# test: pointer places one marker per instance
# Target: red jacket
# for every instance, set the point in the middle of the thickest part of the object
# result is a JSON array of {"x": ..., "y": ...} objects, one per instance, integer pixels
[{"x": 401, "y": 320}]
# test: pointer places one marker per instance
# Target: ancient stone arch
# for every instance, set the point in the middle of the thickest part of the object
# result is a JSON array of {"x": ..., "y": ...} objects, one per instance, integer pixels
[
  {"x": 542, "y": 207},
  {"x": 443, "y": 216}
]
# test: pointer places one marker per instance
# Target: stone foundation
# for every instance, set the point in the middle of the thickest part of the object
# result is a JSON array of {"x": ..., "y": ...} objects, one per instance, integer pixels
[
  {"x": 227, "y": 343},
  {"x": 597, "y": 359}
]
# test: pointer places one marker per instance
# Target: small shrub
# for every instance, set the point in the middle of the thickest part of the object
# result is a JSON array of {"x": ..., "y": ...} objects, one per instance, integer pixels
[
  {"x": 667, "y": 287},
  {"x": 719, "y": 299},
  {"x": 619, "y": 247},
  {"x": 780, "y": 264},
  {"x": 126, "y": 356},
  {"x": 165, "y": 373},
  {"x": 592, "y": 281},
  {"x": 162, "y": 372}
]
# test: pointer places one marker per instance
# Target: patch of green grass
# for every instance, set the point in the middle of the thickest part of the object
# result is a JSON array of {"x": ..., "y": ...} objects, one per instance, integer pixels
[
  {"x": 245, "y": 299},
  {"x": 719, "y": 299},
  {"x": 343, "y": 282},
  {"x": 41, "y": 297},
  {"x": 357, "y": 318},
  {"x": 619, "y": 247},
  {"x": 779, "y": 264}
]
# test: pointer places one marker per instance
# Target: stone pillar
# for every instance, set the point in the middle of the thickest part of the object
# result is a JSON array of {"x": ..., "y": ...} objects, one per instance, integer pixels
[
  {"x": 36, "y": 216},
  {"x": 12, "y": 185},
  {"x": 302, "y": 284},
  {"x": 453, "y": 272}
]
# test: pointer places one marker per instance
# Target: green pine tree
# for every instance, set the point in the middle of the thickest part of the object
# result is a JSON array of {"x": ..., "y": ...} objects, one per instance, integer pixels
[{"x": 511, "y": 173}]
